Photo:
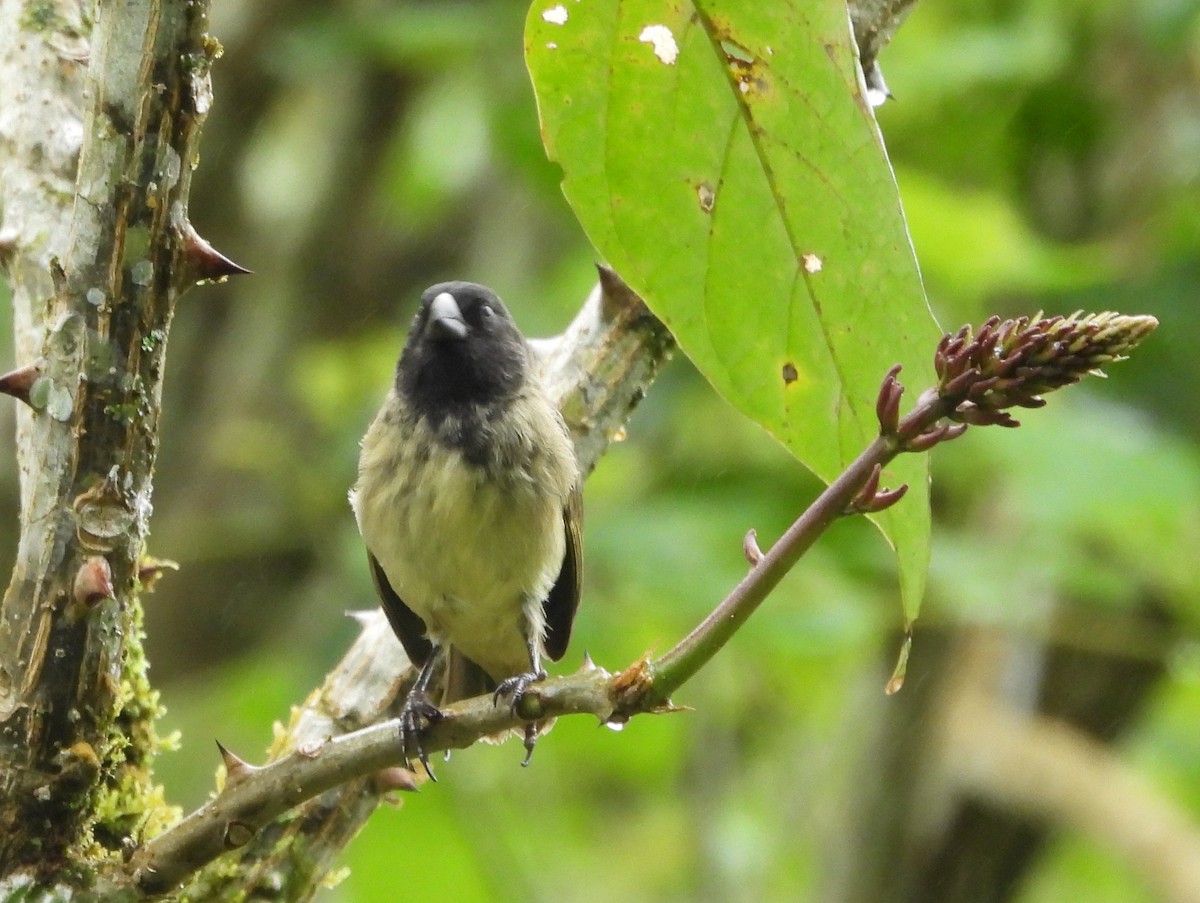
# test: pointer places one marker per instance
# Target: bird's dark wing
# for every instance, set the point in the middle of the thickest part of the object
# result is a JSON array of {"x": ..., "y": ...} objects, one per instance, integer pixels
[
  {"x": 563, "y": 600},
  {"x": 407, "y": 626}
]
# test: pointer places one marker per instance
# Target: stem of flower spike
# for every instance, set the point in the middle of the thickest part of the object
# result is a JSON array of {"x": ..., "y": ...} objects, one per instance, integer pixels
[
  {"x": 981, "y": 374},
  {"x": 670, "y": 671}
]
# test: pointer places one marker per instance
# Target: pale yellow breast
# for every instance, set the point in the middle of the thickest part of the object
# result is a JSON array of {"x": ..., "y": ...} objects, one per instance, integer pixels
[{"x": 473, "y": 558}]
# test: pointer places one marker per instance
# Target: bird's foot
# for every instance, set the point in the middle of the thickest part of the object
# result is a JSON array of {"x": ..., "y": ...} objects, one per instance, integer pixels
[
  {"x": 515, "y": 687},
  {"x": 418, "y": 713}
]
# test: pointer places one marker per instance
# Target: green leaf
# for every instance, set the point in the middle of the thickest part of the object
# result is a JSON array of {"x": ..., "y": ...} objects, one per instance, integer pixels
[{"x": 723, "y": 159}]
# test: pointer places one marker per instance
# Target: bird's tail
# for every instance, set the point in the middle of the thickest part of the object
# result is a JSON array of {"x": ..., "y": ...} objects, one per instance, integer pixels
[{"x": 463, "y": 678}]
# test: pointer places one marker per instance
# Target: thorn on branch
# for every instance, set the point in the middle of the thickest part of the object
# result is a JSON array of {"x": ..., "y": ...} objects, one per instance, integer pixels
[
  {"x": 237, "y": 769},
  {"x": 613, "y": 288},
  {"x": 150, "y": 571},
  {"x": 396, "y": 778},
  {"x": 19, "y": 383},
  {"x": 311, "y": 748},
  {"x": 204, "y": 263},
  {"x": 750, "y": 547},
  {"x": 93, "y": 581}
]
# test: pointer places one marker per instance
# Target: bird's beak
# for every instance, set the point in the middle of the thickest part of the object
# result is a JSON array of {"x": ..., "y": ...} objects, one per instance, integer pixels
[{"x": 446, "y": 321}]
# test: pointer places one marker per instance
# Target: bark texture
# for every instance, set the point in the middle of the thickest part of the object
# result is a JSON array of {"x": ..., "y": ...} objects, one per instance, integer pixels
[{"x": 99, "y": 124}]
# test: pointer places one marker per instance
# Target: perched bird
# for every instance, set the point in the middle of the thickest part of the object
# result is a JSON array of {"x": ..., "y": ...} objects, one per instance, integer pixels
[{"x": 468, "y": 501}]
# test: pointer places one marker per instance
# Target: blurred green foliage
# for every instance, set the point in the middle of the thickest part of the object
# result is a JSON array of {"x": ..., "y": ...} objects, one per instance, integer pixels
[{"x": 1047, "y": 153}]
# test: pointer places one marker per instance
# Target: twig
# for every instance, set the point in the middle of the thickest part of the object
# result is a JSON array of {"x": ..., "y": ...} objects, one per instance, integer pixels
[
  {"x": 253, "y": 797},
  {"x": 980, "y": 375},
  {"x": 697, "y": 648}
]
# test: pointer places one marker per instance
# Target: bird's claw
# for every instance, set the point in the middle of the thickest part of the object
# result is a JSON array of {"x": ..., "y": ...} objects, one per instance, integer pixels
[
  {"x": 515, "y": 687},
  {"x": 418, "y": 713}
]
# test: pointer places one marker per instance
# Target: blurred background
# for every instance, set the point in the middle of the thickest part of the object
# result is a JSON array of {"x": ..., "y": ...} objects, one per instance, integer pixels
[{"x": 1048, "y": 154}]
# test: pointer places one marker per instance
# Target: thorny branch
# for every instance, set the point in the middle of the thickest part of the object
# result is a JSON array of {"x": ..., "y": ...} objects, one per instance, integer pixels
[
  {"x": 980, "y": 375},
  {"x": 597, "y": 370},
  {"x": 99, "y": 128}
]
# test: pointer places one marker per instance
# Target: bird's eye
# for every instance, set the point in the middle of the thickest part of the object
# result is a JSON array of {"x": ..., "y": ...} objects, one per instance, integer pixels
[{"x": 486, "y": 312}]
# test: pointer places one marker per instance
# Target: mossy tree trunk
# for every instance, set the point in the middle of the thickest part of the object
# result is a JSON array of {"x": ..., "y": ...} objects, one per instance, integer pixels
[{"x": 99, "y": 128}]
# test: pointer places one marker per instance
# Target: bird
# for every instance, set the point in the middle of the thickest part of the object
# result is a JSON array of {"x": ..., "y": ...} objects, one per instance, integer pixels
[{"x": 469, "y": 504}]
